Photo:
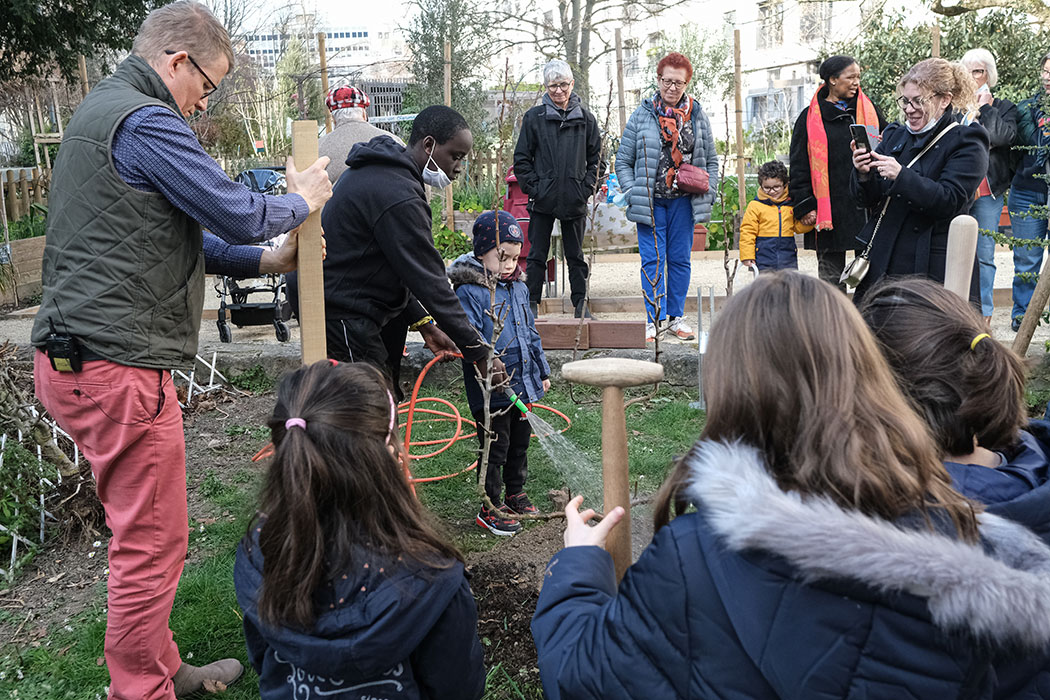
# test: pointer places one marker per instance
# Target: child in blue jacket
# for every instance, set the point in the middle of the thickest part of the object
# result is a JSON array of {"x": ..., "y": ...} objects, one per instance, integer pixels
[
  {"x": 494, "y": 266},
  {"x": 347, "y": 588}
]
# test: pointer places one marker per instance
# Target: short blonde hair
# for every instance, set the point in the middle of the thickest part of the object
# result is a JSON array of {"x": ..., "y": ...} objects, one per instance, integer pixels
[
  {"x": 940, "y": 77},
  {"x": 985, "y": 59},
  {"x": 184, "y": 25}
]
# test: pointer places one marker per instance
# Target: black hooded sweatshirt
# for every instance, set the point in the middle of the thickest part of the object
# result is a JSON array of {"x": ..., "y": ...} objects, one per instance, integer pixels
[{"x": 381, "y": 254}]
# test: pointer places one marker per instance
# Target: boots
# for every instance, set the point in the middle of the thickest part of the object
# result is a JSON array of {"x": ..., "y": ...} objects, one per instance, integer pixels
[
  {"x": 193, "y": 681},
  {"x": 583, "y": 309}
]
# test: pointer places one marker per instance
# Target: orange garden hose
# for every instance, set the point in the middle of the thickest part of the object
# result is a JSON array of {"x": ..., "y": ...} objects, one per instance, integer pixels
[{"x": 410, "y": 408}]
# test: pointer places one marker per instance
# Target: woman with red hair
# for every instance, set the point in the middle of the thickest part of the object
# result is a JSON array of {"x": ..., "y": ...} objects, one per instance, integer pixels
[{"x": 666, "y": 150}]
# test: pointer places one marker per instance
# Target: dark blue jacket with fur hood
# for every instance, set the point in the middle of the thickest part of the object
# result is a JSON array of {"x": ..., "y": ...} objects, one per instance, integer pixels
[
  {"x": 386, "y": 630},
  {"x": 519, "y": 343},
  {"x": 763, "y": 594}
]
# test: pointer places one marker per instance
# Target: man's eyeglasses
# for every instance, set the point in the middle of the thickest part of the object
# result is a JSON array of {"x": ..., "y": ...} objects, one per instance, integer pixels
[
  {"x": 916, "y": 103},
  {"x": 559, "y": 87},
  {"x": 679, "y": 84},
  {"x": 212, "y": 83}
]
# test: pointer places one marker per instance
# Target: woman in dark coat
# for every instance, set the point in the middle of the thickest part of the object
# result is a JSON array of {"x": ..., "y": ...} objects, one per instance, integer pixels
[
  {"x": 821, "y": 153},
  {"x": 999, "y": 118},
  {"x": 828, "y": 556},
  {"x": 911, "y": 207}
]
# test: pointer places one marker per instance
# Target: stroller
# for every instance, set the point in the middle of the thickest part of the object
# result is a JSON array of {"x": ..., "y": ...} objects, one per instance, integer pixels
[{"x": 242, "y": 312}]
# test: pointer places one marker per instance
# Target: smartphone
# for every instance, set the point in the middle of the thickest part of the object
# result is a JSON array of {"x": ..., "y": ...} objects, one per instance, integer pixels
[{"x": 860, "y": 136}]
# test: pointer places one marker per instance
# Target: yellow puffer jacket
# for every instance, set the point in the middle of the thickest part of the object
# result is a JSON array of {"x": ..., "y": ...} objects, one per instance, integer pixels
[{"x": 768, "y": 218}]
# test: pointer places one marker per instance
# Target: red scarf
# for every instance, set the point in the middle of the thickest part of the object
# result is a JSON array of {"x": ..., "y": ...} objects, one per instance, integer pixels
[
  {"x": 818, "y": 151},
  {"x": 671, "y": 120}
]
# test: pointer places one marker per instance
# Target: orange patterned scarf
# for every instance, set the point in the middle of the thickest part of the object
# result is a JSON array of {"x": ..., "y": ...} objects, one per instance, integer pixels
[{"x": 818, "y": 151}]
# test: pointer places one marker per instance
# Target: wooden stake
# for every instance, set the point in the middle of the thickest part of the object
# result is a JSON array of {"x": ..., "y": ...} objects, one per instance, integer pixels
[
  {"x": 741, "y": 186},
  {"x": 324, "y": 78},
  {"x": 962, "y": 251},
  {"x": 311, "y": 270},
  {"x": 54, "y": 103},
  {"x": 450, "y": 213},
  {"x": 935, "y": 40},
  {"x": 82, "y": 63},
  {"x": 32, "y": 129},
  {"x": 40, "y": 121},
  {"x": 619, "y": 81}
]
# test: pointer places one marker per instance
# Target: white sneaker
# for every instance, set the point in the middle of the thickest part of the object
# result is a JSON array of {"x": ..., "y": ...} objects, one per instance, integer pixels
[
  {"x": 680, "y": 329},
  {"x": 650, "y": 332}
]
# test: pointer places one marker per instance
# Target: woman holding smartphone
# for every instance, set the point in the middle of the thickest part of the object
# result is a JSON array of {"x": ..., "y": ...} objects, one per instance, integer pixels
[
  {"x": 821, "y": 163},
  {"x": 923, "y": 174}
]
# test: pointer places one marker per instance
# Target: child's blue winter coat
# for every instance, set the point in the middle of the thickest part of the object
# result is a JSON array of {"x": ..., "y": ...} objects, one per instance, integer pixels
[
  {"x": 762, "y": 594},
  {"x": 1020, "y": 488},
  {"x": 386, "y": 630},
  {"x": 518, "y": 345}
]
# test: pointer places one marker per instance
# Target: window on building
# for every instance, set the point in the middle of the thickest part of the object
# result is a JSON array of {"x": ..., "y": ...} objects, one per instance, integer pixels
[
  {"x": 770, "y": 23},
  {"x": 630, "y": 57},
  {"x": 364, "y": 34},
  {"x": 815, "y": 22}
]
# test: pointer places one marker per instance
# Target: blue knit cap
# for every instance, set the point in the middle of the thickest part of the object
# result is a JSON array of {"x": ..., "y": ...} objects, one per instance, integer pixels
[{"x": 485, "y": 231}]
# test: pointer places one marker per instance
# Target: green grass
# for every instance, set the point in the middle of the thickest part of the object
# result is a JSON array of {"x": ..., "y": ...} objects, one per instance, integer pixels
[{"x": 206, "y": 620}]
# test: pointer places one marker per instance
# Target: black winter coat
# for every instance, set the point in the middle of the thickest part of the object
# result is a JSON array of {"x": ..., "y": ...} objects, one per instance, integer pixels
[
  {"x": 762, "y": 595},
  {"x": 557, "y": 157},
  {"x": 381, "y": 255},
  {"x": 999, "y": 119},
  {"x": 387, "y": 629},
  {"x": 913, "y": 236},
  {"x": 846, "y": 216}
]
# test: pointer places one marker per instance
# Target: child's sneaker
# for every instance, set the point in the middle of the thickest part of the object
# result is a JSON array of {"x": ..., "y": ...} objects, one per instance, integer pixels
[
  {"x": 496, "y": 523},
  {"x": 519, "y": 503},
  {"x": 650, "y": 332},
  {"x": 680, "y": 329}
]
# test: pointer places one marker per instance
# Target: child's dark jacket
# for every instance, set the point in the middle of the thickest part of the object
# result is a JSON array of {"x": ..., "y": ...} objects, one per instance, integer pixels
[
  {"x": 519, "y": 342},
  {"x": 1020, "y": 488},
  {"x": 764, "y": 594},
  {"x": 388, "y": 629}
]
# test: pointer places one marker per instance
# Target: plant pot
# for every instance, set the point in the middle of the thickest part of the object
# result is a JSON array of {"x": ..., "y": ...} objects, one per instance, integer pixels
[{"x": 699, "y": 238}]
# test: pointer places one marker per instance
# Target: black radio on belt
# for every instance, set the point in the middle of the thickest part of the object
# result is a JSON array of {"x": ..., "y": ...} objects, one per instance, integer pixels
[{"x": 64, "y": 352}]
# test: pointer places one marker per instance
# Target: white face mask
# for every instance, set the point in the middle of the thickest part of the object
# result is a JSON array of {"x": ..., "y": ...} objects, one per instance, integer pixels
[{"x": 436, "y": 177}]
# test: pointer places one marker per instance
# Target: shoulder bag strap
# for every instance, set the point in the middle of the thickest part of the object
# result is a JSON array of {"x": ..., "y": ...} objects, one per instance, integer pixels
[{"x": 886, "y": 204}]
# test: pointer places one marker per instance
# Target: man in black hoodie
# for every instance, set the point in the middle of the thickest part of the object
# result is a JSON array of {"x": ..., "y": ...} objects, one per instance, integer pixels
[{"x": 383, "y": 274}]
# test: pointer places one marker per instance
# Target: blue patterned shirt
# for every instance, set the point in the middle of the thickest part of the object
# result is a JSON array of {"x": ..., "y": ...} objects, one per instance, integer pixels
[{"x": 154, "y": 150}]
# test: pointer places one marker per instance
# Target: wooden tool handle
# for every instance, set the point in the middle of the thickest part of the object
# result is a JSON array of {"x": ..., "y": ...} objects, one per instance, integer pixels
[
  {"x": 311, "y": 270},
  {"x": 962, "y": 251}
]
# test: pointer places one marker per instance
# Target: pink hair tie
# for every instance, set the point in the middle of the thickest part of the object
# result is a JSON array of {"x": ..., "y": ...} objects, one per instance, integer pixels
[{"x": 295, "y": 422}]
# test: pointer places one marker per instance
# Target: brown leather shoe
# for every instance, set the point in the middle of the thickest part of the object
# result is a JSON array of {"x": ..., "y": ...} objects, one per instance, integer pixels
[{"x": 198, "y": 681}]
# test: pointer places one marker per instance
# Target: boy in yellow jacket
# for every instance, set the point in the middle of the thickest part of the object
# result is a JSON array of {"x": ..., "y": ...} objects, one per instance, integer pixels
[{"x": 767, "y": 233}]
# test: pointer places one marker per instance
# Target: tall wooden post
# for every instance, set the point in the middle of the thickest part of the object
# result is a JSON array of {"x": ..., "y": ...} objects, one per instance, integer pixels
[
  {"x": 54, "y": 103},
  {"x": 311, "y": 271},
  {"x": 32, "y": 130},
  {"x": 935, "y": 40},
  {"x": 619, "y": 81},
  {"x": 324, "y": 78},
  {"x": 40, "y": 123},
  {"x": 450, "y": 213},
  {"x": 82, "y": 64},
  {"x": 738, "y": 83}
]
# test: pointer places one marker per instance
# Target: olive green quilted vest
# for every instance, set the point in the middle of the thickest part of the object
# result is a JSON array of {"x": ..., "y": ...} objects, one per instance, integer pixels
[{"x": 123, "y": 269}]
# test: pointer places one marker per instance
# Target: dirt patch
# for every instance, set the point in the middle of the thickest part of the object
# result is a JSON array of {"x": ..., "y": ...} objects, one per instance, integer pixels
[{"x": 506, "y": 583}]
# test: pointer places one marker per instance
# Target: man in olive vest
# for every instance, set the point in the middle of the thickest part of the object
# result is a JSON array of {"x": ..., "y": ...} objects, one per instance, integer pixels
[{"x": 123, "y": 276}]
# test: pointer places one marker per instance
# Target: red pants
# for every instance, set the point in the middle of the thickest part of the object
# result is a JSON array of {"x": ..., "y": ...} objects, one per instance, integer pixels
[{"x": 128, "y": 423}]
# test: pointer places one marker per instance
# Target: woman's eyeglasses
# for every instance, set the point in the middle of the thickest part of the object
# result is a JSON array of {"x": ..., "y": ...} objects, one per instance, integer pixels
[
  {"x": 559, "y": 87},
  {"x": 915, "y": 103},
  {"x": 678, "y": 84}
]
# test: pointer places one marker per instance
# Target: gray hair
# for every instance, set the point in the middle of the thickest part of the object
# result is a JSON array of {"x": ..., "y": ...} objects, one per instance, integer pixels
[
  {"x": 184, "y": 25},
  {"x": 985, "y": 59},
  {"x": 349, "y": 114},
  {"x": 556, "y": 69}
]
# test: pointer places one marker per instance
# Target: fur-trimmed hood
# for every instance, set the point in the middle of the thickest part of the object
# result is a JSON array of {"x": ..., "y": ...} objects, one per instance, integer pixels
[
  {"x": 999, "y": 592},
  {"x": 467, "y": 269}
]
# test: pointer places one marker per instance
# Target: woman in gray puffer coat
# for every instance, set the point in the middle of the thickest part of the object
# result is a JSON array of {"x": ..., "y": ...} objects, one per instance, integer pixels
[{"x": 667, "y": 130}]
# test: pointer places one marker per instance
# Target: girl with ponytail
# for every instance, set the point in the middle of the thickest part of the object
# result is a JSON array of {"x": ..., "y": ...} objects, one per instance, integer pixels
[
  {"x": 343, "y": 580},
  {"x": 970, "y": 390}
]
